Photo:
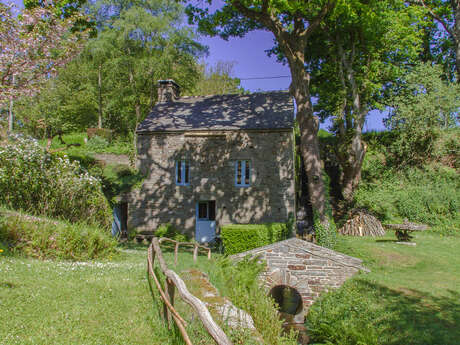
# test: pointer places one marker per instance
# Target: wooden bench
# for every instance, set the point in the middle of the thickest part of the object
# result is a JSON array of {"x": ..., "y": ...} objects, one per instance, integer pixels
[{"x": 402, "y": 231}]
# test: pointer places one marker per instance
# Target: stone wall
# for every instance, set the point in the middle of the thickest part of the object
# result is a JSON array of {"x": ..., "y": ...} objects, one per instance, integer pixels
[
  {"x": 304, "y": 266},
  {"x": 212, "y": 155}
]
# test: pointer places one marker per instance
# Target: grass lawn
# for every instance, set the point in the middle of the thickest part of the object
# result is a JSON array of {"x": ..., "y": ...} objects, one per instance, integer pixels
[
  {"x": 58, "y": 302},
  {"x": 102, "y": 302},
  {"x": 411, "y": 296}
]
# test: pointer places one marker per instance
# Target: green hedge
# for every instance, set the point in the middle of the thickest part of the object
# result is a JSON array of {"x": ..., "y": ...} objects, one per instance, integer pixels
[{"x": 239, "y": 238}]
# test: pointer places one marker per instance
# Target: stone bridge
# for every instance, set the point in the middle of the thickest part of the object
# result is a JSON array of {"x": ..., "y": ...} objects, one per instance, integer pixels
[{"x": 298, "y": 272}]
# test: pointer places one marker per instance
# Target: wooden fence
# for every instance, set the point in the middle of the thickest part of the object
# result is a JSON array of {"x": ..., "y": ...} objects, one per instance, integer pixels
[{"x": 172, "y": 282}]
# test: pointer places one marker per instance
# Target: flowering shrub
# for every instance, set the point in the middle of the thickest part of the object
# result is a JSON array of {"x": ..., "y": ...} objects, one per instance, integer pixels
[{"x": 49, "y": 184}]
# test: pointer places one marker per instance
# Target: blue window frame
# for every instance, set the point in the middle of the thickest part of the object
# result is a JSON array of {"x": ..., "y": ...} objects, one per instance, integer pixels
[
  {"x": 182, "y": 172},
  {"x": 242, "y": 173}
]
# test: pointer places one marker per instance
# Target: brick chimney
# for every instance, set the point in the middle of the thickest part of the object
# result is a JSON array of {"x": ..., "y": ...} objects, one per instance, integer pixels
[{"x": 168, "y": 91}]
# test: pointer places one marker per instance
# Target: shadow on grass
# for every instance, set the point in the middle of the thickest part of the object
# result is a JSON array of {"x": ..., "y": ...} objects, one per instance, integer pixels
[
  {"x": 370, "y": 313},
  {"x": 420, "y": 318}
]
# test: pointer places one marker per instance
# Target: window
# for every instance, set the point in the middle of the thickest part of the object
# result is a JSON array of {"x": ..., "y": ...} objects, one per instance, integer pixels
[
  {"x": 243, "y": 173},
  {"x": 182, "y": 172},
  {"x": 207, "y": 210}
]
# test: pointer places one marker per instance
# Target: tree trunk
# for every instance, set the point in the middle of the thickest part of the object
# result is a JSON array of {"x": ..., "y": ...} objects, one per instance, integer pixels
[
  {"x": 309, "y": 143},
  {"x": 456, "y": 34},
  {"x": 137, "y": 110},
  {"x": 350, "y": 152},
  {"x": 99, "y": 84}
]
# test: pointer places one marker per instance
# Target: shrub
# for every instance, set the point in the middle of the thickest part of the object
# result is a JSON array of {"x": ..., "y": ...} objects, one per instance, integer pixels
[
  {"x": 45, "y": 238},
  {"x": 326, "y": 236},
  {"x": 40, "y": 183},
  {"x": 239, "y": 238}
]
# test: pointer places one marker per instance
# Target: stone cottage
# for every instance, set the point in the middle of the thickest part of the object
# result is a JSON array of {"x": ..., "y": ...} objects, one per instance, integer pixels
[{"x": 214, "y": 160}]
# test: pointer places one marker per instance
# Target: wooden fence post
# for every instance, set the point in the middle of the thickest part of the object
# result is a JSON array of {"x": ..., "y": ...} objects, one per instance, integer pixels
[
  {"x": 176, "y": 251},
  {"x": 195, "y": 252}
]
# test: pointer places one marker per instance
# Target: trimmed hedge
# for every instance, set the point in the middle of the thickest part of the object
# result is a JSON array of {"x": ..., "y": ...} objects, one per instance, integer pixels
[{"x": 239, "y": 238}]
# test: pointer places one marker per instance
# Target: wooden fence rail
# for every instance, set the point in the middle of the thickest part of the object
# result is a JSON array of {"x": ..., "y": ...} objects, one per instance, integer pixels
[
  {"x": 195, "y": 246},
  {"x": 172, "y": 282}
]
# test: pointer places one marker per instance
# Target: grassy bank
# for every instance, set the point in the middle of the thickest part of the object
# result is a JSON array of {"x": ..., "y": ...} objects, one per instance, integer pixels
[
  {"x": 46, "y": 238},
  {"x": 411, "y": 296}
]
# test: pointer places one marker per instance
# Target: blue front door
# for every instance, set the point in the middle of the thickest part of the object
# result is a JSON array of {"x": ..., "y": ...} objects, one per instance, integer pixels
[{"x": 205, "y": 230}]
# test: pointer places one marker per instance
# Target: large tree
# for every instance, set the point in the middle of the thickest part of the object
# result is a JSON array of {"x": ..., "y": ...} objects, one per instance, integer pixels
[
  {"x": 113, "y": 82},
  {"x": 447, "y": 14},
  {"x": 293, "y": 23},
  {"x": 363, "y": 47}
]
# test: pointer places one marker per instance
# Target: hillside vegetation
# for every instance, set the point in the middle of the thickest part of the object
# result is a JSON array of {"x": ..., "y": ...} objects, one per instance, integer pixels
[{"x": 423, "y": 191}]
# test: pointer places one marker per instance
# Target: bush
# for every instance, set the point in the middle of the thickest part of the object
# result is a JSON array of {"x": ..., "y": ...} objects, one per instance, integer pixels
[
  {"x": 239, "y": 238},
  {"x": 45, "y": 238},
  {"x": 40, "y": 183}
]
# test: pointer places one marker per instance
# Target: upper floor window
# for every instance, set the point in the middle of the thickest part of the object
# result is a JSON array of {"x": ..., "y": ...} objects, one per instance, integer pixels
[
  {"x": 242, "y": 173},
  {"x": 182, "y": 172}
]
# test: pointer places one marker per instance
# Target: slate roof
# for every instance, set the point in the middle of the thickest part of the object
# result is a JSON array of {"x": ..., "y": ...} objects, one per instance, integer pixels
[{"x": 260, "y": 111}]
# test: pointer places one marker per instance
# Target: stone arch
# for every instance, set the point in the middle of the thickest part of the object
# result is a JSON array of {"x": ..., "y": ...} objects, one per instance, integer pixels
[{"x": 288, "y": 299}]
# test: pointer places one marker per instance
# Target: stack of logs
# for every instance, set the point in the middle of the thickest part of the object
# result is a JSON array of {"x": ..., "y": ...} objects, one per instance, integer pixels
[{"x": 362, "y": 224}]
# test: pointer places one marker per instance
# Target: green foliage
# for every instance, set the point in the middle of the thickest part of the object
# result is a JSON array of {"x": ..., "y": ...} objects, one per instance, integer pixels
[
  {"x": 119, "y": 145},
  {"x": 115, "y": 77},
  {"x": 169, "y": 231},
  {"x": 325, "y": 236},
  {"x": 429, "y": 195},
  {"x": 50, "y": 239},
  {"x": 425, "y": 105},
  {"x": 239, "y": 238},
  {"x": 345, "y": 317},
  {"x": 49, "y": 184},
  {"x": 117, "y": 179},
  {"x": 217, "y": 80}
]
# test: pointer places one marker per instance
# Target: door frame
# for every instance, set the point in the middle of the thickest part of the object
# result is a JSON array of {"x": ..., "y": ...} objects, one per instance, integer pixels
[{"x": 210, "y": 216}]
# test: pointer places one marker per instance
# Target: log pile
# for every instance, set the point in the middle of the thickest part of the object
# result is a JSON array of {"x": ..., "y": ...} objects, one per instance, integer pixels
[{"x": 362, "y": 224}]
